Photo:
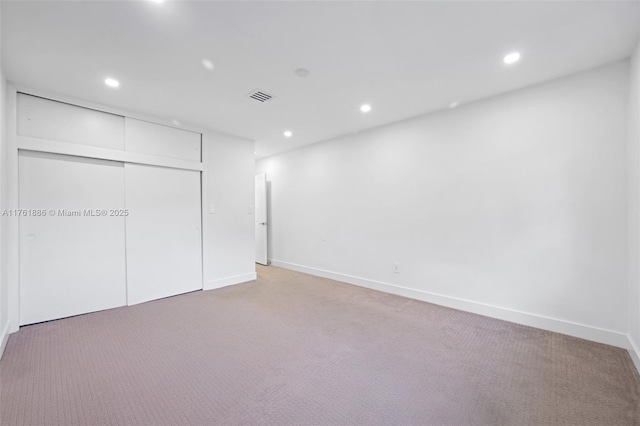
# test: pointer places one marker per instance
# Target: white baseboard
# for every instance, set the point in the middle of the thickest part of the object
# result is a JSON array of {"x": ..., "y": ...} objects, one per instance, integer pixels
[
  {"x": 582, "y": 331},
  {"x": 4, "y": 338},
  {"x": 223, "y": 282},
  {"x": 634, "y": 352}
]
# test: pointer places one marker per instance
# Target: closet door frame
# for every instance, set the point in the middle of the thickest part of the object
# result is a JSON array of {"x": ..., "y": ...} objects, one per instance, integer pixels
[{"x": 16, "y": 142}]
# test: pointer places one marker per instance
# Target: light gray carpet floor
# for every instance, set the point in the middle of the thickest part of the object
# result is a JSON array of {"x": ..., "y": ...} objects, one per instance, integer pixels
[{"x": 291, "y": 349}]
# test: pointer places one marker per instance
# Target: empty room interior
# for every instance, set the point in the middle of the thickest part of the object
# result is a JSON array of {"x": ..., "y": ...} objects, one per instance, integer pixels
[{"x": 320, "y": 212}]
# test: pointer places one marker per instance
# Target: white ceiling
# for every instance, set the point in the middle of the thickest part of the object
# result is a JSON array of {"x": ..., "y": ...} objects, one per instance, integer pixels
[{"x": 404, "y": 58}]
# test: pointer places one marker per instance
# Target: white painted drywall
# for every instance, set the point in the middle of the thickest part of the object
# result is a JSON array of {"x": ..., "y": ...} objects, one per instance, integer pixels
[
  {"x": 515, "y": 202},
  {"x": 4, "y": 202},
  {"x": 634, "y": 205},
  {"x": 228, "y": 180}
]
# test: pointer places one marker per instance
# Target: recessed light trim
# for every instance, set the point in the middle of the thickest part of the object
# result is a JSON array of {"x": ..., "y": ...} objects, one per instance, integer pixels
[
  {"x": 112, "y": 82},
  {"x": 208, "y": 64},
  {"x": 288, "y": 133},
  {"x": 365, "y": 108},
  {"x": 511, "y": 58}
]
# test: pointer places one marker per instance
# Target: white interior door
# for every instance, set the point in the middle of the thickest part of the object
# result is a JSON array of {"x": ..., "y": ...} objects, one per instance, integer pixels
[
  {"x": 70, "y": 261},
  {"x": 261, "y": 219},
  {"x": 164, "y": 250}
]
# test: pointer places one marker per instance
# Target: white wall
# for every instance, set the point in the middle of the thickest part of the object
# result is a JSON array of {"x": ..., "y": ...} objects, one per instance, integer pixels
[
  {"x": 513, "y": 207},
  {"x": 634, "y": 206},
  {"x": 4, "y": 293},
  {"x": 229, "y": 245}
]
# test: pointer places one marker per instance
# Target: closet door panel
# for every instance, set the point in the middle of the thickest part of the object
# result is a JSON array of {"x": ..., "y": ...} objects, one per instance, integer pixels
[
  {"x": 155, "y": 139},
  {"x": 47, "y": 119},
  {"x": 164, "y": 251},
  {"x": 71, "y": 262}
]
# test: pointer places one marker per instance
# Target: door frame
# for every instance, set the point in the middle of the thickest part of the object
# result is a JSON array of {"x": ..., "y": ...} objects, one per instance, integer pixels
[{"x": 261, "y": 191}]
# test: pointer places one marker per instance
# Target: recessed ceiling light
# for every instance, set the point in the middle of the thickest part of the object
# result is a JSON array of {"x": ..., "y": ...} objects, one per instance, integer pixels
[
  {"x": 111, "y": 82},
  {"x": 287, "y": 133},
  {"x": 302, "y": 72},
  {"x": 511, "y": 58},
  {"x": 208, "y": 64},
  {"x": 365, "y": 108},
  {"x": 453, "y": 105}
]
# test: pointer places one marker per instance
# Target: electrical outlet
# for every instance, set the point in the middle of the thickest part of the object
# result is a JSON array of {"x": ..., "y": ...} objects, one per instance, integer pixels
[{"x": 396, "y": 268}]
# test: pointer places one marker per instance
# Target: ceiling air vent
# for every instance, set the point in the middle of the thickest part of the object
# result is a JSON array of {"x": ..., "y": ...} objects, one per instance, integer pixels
[{"x": 260, "y": 96}]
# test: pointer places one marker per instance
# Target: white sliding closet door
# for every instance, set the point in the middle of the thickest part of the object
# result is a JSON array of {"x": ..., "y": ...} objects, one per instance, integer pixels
[
  {"x": 70, "y": 263},
  {"x": 164, "y": 251}
]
